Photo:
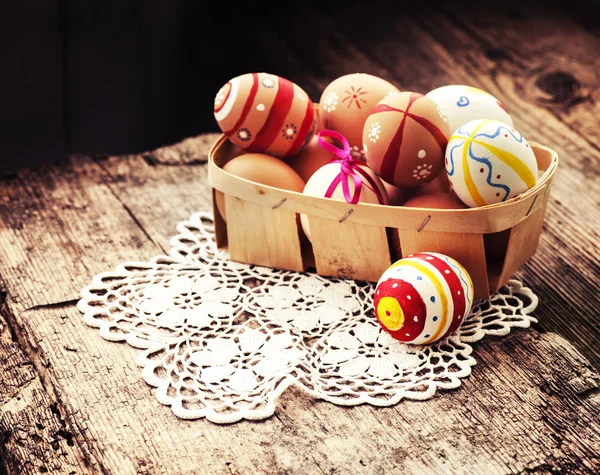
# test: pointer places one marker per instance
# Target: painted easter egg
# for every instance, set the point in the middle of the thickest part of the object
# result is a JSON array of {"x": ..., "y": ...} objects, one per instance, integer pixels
[
  {"x": 489, "y": 162},
  {"x": 345, "y": 105},
  {"x": 423, "y": 298},
  {"x": 440, "y": 184},
  {"x": 326, "y": 182},
  {"x": 263, "y": 169},
  {"x": 405, "y": 137},
  {"x": 396, "y": 196},
  {"x": 311, "y": 158},
  {"x": 462, "y": 104},
  {"x": 264, "y": 113}
]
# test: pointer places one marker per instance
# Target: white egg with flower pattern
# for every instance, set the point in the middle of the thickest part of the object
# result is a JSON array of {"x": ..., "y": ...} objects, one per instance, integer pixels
[{"x": 489, "y": 162}]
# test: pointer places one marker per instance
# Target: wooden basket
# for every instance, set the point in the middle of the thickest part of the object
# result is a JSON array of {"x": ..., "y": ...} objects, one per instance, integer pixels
[{"x": 360, "y": 241}]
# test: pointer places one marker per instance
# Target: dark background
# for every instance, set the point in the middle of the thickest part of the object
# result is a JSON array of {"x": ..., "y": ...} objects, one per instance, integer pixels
[{"x": 113, "y": 77}]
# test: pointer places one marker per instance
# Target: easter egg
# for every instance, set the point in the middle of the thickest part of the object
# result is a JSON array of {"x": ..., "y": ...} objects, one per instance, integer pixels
[
  {"x": 345, "y": 105},
  {"x": 436, "y": 201},
  {"x": 320, "y": 183},
  {"x": 489, "y": 162},
  {"x": 462, "y": 104},
  {"x": 405, "y": 137},
  {"x": 264, "y": 113},
  {"x": 423, "y": 298},
  {"x": 396, "y": 196},
  {"x": 263, "y": 169},
  {"x": 310, "y": 158}
]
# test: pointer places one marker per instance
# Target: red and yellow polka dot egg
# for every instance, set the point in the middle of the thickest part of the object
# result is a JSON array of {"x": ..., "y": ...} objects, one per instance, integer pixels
[{"x": 423, "y": 298}]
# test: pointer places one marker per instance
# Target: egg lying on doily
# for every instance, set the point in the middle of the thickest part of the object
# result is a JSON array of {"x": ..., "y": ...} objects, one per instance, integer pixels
[
  {"x": 346, "y": 102},
  {"x": 326, "y": 182},
  {"x": 462, "y": 104},
  {"x": 423, "y": 298},
  {"x": 404, "y": 138},
  {"x": 489, "y": 162},
  {"x": 264, "y": 113}
]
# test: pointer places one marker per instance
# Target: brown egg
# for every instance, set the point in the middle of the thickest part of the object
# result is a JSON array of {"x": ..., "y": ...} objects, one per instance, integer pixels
[
  {"x": 440, "y": 184},
  {"x": 345, "y": 105},
  {"x": 264, "y": 113},
  {"x": 405, "y": 138},
  {"x": 436, "y": 201},
  {"x": 263, "y": 169},
  {"x": 396, "y": 196},
  {"x": 311, "y": 158},
  {"x": 321, "y": 180}
]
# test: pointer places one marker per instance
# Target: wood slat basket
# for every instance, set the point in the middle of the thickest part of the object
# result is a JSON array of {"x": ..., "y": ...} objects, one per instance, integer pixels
[{"x": 360, "y": 241}]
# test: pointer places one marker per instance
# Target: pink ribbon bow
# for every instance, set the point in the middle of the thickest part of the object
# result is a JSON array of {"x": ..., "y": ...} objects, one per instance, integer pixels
[{"x": 349, "y": 169}]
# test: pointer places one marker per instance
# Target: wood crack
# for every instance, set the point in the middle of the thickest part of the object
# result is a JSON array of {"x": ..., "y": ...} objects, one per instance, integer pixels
[
  {"x": 40, "y": 373},
  {"x": 63, "y": 304},
  {"x": 129, "y": 212},
  {"x": 589, "y": 393}
]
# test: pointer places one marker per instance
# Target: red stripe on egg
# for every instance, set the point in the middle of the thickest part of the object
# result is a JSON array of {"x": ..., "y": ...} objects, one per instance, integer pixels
[
  {"x": 247, "y": 105},
  {"x": 437, "y": 134},
  {"x": 433, "y": 129},
  {"x": 455, "y": 286},
  {"x": 276, "y": 119},
  {"x": 412, "y": 306},
  {"x": 309, "y": 116},
  {"x": 390, "y": 159}
]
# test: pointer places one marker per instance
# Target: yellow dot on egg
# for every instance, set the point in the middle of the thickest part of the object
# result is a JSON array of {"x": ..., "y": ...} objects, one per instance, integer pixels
[
  {"x": 290, "y": 132},
  {"x": 390, "y": 313}
]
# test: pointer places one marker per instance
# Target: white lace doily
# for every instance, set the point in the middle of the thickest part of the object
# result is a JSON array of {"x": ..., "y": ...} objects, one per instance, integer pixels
[{"x": 224, "y": 340}]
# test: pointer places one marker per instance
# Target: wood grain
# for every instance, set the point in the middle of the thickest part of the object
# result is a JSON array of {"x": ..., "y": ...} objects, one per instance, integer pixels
[
  {"x": 261, "y": 235},
  {"x": 349, "y": 250},
  {"x": 531, "y": 405},
  {"x": 33, "y": 435}
]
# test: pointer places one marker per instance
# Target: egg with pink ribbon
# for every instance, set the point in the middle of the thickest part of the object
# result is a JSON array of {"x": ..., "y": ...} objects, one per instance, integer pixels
[{"x": 343, "y": 179}]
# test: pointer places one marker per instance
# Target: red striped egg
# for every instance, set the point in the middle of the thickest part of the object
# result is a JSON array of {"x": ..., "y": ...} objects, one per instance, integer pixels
[
  {"x": 405, "y": 138},
  {"x": 423, "y": 298},
  {"x": 264, "y": 113}
]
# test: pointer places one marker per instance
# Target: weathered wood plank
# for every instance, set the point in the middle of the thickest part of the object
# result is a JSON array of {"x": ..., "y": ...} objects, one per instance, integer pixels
[
  {"x": 34, "y": 437},
  {"x": 531, "y": 404},
  {"x": 159, "y": 196},
  {"x": 538, "y": 413},
  {"x": 58, "y": 218},
  {"x": 114, "y": 415},
  {"x": 191, "y": 151}
]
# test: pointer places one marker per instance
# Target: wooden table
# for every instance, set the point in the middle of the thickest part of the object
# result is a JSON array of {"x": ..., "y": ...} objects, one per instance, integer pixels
[{"x": 71, "y": 402}]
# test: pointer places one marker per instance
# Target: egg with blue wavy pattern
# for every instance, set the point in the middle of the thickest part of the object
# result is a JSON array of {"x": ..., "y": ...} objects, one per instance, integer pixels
[{"x": 489, "y": 162}]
